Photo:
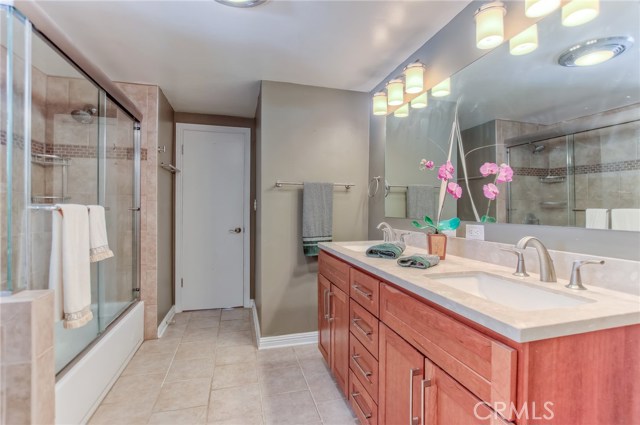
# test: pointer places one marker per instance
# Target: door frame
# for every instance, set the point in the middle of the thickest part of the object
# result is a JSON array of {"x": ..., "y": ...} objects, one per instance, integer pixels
[{"x": 246, "y": 225}]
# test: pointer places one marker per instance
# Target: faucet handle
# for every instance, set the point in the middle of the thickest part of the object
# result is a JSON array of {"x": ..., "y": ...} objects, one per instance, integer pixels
[
  {"x": 521, "y": 270},
  {"x": 575, "y": 282}
]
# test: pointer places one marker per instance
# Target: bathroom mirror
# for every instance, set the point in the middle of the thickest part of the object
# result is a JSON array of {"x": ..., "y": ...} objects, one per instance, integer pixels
[{"x": 571, "y": 134}]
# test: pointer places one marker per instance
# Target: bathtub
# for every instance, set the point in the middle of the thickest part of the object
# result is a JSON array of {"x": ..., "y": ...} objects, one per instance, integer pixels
[{"x": 81, "y": 389}]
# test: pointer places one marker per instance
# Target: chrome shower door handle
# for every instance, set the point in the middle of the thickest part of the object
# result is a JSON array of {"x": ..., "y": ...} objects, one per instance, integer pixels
[{"x": 236, "y": 230}]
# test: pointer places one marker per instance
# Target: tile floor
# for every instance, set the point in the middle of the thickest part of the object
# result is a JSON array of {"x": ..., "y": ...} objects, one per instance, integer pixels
[{"x": 206, "y": 370}]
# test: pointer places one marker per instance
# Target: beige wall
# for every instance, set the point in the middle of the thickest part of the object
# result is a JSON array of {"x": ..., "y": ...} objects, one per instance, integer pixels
[
  {"x": 166, "y": 187},
  {"x": 228, "y": 121},
  {"x": 305, "y": 134}
]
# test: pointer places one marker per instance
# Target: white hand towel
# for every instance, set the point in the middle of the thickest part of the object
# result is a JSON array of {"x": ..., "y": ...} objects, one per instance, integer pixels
[
  {"x": 625, "y": 219},
  {"x": 69, "y": 270},
  {"x": 597, "y": 218},
  {"x": 98, "y": 231}
]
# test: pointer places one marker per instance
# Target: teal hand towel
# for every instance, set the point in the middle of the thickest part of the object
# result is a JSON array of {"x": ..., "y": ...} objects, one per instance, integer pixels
[
  {"x": 388, "y": 250},
  {"x": 419, "y": 261}
]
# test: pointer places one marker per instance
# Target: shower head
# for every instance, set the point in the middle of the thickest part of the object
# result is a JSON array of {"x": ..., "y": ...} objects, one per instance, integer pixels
[
  {"x": 537, "y": 149},
  {"x": 85, "y": 115}
]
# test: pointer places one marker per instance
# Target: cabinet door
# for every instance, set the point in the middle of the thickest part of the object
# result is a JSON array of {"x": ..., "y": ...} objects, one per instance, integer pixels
[
  {"x": 401, "y": 374},
  {"x": 447, "y": 402},
  {"x": 324, "y": 331},
  {"x": 340, "y": 337}
]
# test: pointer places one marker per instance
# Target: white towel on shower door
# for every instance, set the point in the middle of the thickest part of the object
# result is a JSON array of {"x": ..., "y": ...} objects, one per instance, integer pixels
[
  {"x": 625, "y": 219},
  {"x": 69, "y": 269},
  {"x": 98, "y": 234},
  {"x": 597, "y": 218}
]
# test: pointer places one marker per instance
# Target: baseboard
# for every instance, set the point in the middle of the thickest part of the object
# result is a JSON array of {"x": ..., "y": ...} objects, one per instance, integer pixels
[
  {"x": 281, "y": 340},
  {"x": 165, "y": 322}
]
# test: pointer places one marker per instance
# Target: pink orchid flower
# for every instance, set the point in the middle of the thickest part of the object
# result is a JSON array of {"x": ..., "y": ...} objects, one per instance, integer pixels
[
  {"x": 426, "y": 165},
  {"x": 454, "y": 190},
  {"x": 488, "y": 168},
  {"x": 505, "y": 174},
  {"x": 490, "y": 191},
  {"x": 445, "y": 172}
]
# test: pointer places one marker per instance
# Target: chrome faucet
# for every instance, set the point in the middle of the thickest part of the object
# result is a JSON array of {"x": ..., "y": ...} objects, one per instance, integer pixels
[
  {"x": 576, "y": 277},
  {"x": 547, "y": 271},
  {"x": 387, "y": 231}
]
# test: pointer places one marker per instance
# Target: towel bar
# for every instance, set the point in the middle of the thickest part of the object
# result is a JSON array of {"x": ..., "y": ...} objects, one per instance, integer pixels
[{"x": 280, "y": 183}]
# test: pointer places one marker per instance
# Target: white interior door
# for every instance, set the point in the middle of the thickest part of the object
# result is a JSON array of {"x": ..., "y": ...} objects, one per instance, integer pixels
[{"x": 212, "y": 217}]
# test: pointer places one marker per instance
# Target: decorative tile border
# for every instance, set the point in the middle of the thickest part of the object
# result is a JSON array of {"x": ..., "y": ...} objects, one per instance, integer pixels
[
  {"x": 74, "y": 151},
  {"x": 610, "y": 167}
]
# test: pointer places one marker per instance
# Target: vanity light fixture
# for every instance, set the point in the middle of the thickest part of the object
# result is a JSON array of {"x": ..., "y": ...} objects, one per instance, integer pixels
[
  {"x": 380, "y": 103},
  {"x": 442, "y": 89},
  {"x": 490, "y": 25},
  {"x": 525, "y": 42},
  {"x": 595, "y": 51},
  {"x": 578, "y": 12},
  {"x": 538, "y": 8},
  {"x": 414, "y": 78},
  {"x": 402, "y": 111},
  {"x": 395, "y": 92},
  {"x": 242, "y": 3},
  {"x": 420, "y": 101}
]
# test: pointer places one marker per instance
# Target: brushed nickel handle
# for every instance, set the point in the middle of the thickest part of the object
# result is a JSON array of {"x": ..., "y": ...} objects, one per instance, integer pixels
[
  {"x": 236, "y": 230},
  {"x": 329, "y": 318},
  {"x": 425, "y": 383},
  {"x": 366, "y": 415},
  {"x": 134, "y": 209},
  {"x": 326, "y": 304},
  {"x": 355, "y": 321},
  {"x": 359, "y": 290},
  {"x": 412, "y": 419},
  {"x": 364, "y": 373}
]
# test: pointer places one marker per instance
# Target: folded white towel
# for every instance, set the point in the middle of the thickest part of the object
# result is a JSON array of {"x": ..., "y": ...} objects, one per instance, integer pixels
[
  {"x": 98, "y": 231},
  {"x": 69, "y": 270},
  {"x": 597, "y": 218},
  {"x": 625, "y": 219}
]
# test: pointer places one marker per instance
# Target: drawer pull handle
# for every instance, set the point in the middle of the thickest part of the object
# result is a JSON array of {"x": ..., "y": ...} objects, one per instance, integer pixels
[
  {"x": 360, "y": 328},
  {"x": 359, "y": 290},
  {"x": 425, "y": 383},
  {"x": 413, "y": 420},
  {"x": 326, "y": 304},
  {"x": 355, "y": 401},
  {"x": 365, "y": 373}
]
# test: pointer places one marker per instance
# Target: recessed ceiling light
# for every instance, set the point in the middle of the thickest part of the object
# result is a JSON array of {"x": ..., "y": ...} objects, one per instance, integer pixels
[
  {"x": 242, "y": 3},
  {"x": 595, "y": 51}
]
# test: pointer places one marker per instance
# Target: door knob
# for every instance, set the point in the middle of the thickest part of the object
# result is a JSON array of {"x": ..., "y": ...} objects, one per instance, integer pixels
[{"x": 236, "y": 230}]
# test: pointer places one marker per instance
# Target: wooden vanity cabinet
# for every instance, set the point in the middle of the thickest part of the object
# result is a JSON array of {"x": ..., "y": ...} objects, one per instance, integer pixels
[{"x": 333, "y": 318}]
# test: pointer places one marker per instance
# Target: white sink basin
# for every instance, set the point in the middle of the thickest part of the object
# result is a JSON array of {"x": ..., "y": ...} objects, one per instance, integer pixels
[
  {"x": 508, "y": 292},
  {"x": 358, "y": 248}
]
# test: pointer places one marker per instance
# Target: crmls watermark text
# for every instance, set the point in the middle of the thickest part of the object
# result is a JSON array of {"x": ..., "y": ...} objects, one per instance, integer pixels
[{"x": 527, "y": 410}]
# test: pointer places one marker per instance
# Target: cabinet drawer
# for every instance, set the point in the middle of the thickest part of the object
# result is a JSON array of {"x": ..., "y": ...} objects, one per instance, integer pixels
[
  {"x": 334, "y": 270},
  {"x": 364, "y": 326},
  {"x": 483, "y": 365},
  {"x": 364, "y": 366},
  {"x": 365, "y": 290},
  {"x": 361, "y": 403}
]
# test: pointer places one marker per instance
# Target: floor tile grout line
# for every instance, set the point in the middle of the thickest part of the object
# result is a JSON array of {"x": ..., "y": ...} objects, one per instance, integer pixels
[{"x": 315, "y": 403}]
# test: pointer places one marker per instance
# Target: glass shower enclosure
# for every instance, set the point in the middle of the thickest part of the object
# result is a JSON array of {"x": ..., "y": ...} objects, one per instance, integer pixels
[{"x": 64, "y": 139}]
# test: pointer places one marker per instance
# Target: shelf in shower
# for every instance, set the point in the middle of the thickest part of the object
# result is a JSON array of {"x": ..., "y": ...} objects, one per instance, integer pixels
[
  {"x": 44, "y": 199},
  {"x": 49, "y": 160},
  {"x": 553, "y": 205},
  {"x": 552, "y": 179}
]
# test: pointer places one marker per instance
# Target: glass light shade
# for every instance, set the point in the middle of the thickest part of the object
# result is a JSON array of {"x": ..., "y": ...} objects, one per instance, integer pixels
[
  {"x": 414, "y": 78},
  {"x": 380, "y": 103},
  {"x": 442, "y": 89},
  {"x": 402, "y": 111},
  {"x": 395, "y": 93},
  {"x": 525, "y": 42},
  {"x": 594, "y": 58},
  {"x": 420, "y": 101},
  {"x": 490, "y": 25},
  {"x": 578, "y": 12},
  {"x": 537, "y": 8}
]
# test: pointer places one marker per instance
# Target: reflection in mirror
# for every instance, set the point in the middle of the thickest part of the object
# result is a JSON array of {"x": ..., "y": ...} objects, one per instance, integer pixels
[
  {"x": 424, "y": 134},
  {"x": 571, "y": 133}
]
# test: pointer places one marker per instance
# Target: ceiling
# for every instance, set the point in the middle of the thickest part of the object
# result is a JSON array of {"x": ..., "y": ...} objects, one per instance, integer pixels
[{"x": 209, "y": 58}]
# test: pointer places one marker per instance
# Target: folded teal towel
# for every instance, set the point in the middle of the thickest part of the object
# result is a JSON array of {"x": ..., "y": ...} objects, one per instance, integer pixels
[
  {"x": 419, "y": 261},
  {"x": 390, "y": 250}
]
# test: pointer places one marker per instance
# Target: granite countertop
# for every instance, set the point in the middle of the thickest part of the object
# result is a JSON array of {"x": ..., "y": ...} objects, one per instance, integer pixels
[{"x": 603, "y": 308}]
